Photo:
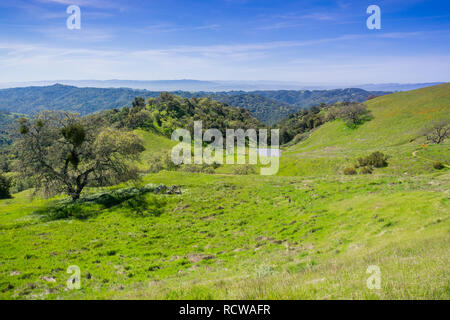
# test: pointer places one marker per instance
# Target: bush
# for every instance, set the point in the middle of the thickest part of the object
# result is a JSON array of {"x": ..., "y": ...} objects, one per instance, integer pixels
[
  {"x": 244, "y": 170},
  {"x": 438, "y": 165},
  {"x": 366, "y": 170},
  {"x": 332, "y": 114},
  {"x": 208, "y": 170},
  {"x": 5, "y": 185},
  {"x": 162, "y": 162},
  {"x": 376, "y": 159},
  {"x": 215, "y": 165},
  {"x": 350, "y": 171}
]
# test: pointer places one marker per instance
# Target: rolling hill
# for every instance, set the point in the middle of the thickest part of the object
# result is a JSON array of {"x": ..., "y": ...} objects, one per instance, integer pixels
[
  {"x": 395, "y": 129},
  {"x": 267, "y": 106},
  {"x": 307, "y": 98}
]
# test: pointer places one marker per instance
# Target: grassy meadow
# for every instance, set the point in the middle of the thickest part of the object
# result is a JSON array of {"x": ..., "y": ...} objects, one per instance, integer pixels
[{"x": 309, "y": 232}]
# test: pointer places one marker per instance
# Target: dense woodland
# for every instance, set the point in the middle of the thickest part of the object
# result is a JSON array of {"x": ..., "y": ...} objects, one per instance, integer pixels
[{"x": 169, "y": 112}]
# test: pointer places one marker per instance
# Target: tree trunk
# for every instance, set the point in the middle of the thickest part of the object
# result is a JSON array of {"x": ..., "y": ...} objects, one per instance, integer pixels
[
  {"x": 74, "y": 193},
  {"x": 75, "y": 196}
]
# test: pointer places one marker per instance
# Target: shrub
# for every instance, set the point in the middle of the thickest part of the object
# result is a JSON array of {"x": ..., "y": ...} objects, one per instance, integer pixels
[
  {"x": 5, "y": 185},
  {"x": 366, "y": 170},
  {"x": 162, "y": 162},
  {"x": 216, "y": 165},
  {"x": 208, "y": 170},
  {"x": 332, "y": 114},
  {"x": 349, "y": 171},
  {"x": 244, "y": 170},
  {"x": 376, "y": 159},
  {"x": 438, "y": 165}
]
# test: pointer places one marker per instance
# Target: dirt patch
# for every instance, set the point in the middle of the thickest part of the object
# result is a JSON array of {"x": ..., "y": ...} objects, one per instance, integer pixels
[
  {"x": 48, "y": 279},
  {"x": 197, "y": 257}
]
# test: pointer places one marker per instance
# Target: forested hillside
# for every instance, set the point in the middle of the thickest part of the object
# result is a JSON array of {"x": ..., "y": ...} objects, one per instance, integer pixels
[
  {"x": 308, "y": 98},
  {"x": 267, "y": 106},
  {"x": 267, "y": 110},
  {"x": 29, "y": 100},
  {"x": 7, "y": 120},
  {"x": 169, "y": 112}
]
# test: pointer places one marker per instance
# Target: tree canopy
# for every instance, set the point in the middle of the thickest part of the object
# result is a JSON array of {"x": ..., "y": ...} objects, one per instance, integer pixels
[{"x": 64, "y": 153}]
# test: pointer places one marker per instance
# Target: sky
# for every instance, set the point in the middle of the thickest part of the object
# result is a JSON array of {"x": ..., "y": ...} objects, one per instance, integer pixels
[{"x": 312, "y": 42}]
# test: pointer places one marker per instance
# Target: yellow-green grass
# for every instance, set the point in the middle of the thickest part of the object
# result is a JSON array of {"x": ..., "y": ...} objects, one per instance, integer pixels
[
  {"x": 396, "y": 130},
  {"x": 155, "y": 144},
  {"x": 240, "y": 237}
]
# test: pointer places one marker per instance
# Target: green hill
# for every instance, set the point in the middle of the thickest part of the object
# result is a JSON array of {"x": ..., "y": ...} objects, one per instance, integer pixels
[
  {"x": 308, "y": 98},
  {"x": 395, "y": 129}
]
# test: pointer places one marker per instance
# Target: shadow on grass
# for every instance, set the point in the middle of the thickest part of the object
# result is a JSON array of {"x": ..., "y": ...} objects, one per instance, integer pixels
[{"x": 137, "y": 201}]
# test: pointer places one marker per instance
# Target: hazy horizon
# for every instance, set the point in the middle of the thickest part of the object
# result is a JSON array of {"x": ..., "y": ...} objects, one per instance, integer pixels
[{"x": 216, "y": 85}]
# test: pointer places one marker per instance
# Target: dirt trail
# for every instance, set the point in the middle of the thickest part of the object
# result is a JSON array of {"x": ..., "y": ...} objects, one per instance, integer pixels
[{"x": 431, "y": 160}]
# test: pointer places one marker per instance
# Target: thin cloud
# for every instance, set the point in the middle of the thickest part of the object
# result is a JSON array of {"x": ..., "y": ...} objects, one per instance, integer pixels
[
  {"x": 166, "y": 28},
  {"x": 85, "y": 3}
]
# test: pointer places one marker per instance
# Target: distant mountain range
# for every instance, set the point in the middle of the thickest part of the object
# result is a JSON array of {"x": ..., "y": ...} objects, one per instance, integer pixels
[
  {"x": 397, "y": 86},
  {"x": 267, "y": 106},
  {"x": 217, "y": 85}
]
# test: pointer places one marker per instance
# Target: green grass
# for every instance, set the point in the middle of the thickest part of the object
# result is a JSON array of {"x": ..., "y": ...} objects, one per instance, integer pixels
[
  {"x": 436, "y": 152},
  {"x": 308, "y": 233},
  {"x": 395, "y": 130},
  {"x": 240, "y": 237}
]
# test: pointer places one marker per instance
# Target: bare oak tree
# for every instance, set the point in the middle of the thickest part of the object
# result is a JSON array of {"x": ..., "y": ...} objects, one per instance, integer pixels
[{"x": 64, "y": 153}]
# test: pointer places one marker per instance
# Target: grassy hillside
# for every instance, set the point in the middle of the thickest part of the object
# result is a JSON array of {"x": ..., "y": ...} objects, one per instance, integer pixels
[
  {"x": 239, "y": 237},
  {"x": 395, "y": 129},
  {"x": 310, "y": 233}
]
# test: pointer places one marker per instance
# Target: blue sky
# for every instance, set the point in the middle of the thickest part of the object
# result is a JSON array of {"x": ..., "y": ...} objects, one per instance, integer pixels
[{"x": 301, "y": 41}]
